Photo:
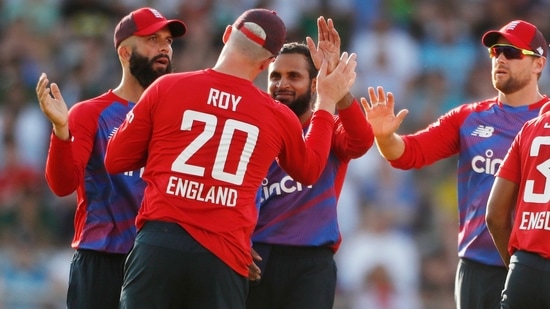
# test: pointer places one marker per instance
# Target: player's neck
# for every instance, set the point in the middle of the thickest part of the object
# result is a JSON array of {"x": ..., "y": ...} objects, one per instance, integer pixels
[
  {"x": 232, "y": 62},
  {"x": 305, "y": 116},
  {"x": 525, "y": 96},
  {"x": 129, "y": 90},
  {"x": 235, "y": 69}
]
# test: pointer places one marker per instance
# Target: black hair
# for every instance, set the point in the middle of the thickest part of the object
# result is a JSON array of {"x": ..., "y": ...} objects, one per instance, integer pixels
[{"x": 300, "y": 48}]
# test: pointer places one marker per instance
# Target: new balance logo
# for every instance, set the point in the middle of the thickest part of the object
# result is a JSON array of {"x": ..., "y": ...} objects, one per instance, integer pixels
[{"x": 483, "y": 131}]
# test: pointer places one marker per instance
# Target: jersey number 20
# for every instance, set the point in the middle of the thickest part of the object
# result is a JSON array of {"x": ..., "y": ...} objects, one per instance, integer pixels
[{"x": 230, "y": 127}]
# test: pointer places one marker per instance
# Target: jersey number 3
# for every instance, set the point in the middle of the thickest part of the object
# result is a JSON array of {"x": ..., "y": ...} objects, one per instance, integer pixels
[
  {"x": 210, "y": 121},
  {"x": 544, "y": 168}
]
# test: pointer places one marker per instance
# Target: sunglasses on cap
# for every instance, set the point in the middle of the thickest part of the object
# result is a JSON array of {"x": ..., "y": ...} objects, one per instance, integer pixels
[{"x": 510, "y": 51}]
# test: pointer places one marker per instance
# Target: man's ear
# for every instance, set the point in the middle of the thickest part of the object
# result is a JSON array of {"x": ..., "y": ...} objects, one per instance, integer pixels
[
  {"x": 124, "y": 52},
  {"x": 267, "y": 62},
  {"x": 541, "y": 61},
  {"x": 314, "y": 85}
]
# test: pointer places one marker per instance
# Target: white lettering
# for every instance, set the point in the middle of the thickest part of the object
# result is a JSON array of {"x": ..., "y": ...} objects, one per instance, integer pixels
[
  {"x": 198, "y": 191},
  {"x": 535, "y": 220},
  {"x": 223, "y": 100},
  {"x": 487, "y": 164},
  {"x": 131, "y": 173},
  {"x": 286, "y": 185}
]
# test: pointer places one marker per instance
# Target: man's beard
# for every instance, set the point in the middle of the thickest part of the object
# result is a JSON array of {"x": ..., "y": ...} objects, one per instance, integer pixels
[
  {"x": 300, "y": 104},
  {"x": 512, "y": 85},
  {"x": 142, "y": 68}
]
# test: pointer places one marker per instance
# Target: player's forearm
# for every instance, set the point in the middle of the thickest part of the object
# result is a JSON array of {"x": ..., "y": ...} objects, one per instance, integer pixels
[
  {"x": 503, "y": 251},
  {"x": 501, "y": 236},
  {"x": 499, "y": 211},
  {"x": 391, "y": 147},
  {"x": 500, "y": 229},
  {"x": 345, "y": 102},
  {"x": 325, "y": 103},
  {"x": 62, "y": 132},
  {"x": 328, "y": 103},
  {"x": 118, "y": 159},
  {"x": 62, "y": 175},
  {"x": 126, "y": 151},
  {"x": 357, "y": 137},
  {"x": 313, "y": 158}
]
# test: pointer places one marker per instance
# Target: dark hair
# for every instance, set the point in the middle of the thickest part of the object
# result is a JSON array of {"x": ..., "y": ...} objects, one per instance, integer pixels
[{"x": 300, "y": 48}]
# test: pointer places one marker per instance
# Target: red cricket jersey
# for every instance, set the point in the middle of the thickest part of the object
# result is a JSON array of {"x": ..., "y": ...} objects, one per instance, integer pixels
[
  {"x": 528, "y": 164},
  {"x": 207, "y": 140}
]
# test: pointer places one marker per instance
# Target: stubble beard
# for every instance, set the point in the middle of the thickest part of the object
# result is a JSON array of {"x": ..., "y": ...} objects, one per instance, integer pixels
[{"x": 510, "y": 85}]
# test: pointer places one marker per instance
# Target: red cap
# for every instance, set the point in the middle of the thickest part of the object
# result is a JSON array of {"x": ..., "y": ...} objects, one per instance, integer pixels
[
  {"x": 520, "y": 34},
  {"x": 264, "y": 27},
  {"x": 146, "y": 21}
]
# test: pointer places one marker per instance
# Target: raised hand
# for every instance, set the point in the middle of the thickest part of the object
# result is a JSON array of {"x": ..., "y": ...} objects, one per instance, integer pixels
[
  {"x": 380, "y": 112},
  {"x": 53, "y": 106},
  {"x": 328, "y": 44},
  {"x": 333, "y": 86}
]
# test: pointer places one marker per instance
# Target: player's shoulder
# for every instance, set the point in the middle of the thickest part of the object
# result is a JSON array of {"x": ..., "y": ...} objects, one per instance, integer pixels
[
  {"x": 176, "y": 79},
  {"x": 278, "y": 113},
  {"x": 177, "y": 76},
  {"x": 478, "y": 106},
  {"x": 545, "y": 108},
  {"x": 263, "y": 100},
  {"x": 96, "y": 103},
  {"x": 466, "y": 109},
  {"x": 542, "y": 120}
]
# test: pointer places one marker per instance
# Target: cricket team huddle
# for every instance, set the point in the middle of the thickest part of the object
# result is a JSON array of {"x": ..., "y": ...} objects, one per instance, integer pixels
[{"x": 200, "y": 190}]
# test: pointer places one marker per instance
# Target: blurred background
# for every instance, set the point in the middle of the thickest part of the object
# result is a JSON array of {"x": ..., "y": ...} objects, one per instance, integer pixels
[{"x": 399, "y": 227}]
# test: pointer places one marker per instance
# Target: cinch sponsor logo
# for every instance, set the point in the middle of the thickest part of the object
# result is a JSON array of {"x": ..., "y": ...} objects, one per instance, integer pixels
[
  {"x": 285, "y": 186},
  {"x": 486, "y": 164},
  {"x": 483, "y": 131}
]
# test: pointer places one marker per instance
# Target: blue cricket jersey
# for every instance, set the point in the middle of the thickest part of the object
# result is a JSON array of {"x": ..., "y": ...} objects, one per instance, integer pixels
[
  {"x": 107, "y": 204},
  {"x": 480, "y": 133},
  {"x": 293, "y": 214}
]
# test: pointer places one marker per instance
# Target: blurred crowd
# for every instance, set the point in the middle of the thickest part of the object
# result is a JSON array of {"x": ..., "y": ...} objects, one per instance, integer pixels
[{"x": 399, "y": 227}]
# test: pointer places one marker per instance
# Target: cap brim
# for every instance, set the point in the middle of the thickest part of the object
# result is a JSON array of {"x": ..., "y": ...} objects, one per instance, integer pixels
[
  {"x": 177, "y": 28},
  {"x": 490, "y": 38}
]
